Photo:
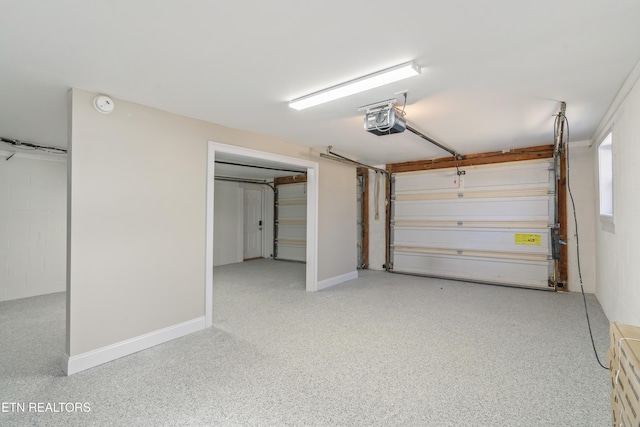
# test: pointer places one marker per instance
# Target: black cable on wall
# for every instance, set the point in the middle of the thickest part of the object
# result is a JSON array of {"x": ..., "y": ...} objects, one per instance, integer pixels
[
  {"x": 575, "y": 220},
  {"x": 32, "y": 146}
]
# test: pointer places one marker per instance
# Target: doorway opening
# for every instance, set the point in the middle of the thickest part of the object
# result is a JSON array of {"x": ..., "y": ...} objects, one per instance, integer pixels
[{"x": 220, "y": 158}]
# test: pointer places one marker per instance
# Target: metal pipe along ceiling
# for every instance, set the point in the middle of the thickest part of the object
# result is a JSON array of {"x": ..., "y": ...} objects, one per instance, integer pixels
[
  {"x": 260, "y": 167},
  {"x": 451, "y": 151},
  {"x": 244, "y": 181},
  {"x": 342, "y": 159}
]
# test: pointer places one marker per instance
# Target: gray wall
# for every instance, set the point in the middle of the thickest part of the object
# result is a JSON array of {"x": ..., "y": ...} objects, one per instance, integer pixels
[{"x": 137, "y": 218}]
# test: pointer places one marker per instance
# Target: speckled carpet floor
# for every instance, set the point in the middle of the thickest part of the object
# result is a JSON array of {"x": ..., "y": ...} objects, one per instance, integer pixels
[{"x": 381, "y": 350}]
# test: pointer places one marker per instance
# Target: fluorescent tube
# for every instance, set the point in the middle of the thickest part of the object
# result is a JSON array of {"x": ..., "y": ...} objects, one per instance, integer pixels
[{"x": 361, "y": 84}]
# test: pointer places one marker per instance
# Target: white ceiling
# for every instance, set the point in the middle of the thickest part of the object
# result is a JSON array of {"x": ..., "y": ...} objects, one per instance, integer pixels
[
  {"x": 231, "y": 166},
  {"x": 493, "y": 72}
]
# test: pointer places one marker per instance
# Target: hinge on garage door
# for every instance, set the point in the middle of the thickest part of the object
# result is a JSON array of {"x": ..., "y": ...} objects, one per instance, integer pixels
[
  {"x": 460, "y": 195},
  {"x": 459, "y": 223}
]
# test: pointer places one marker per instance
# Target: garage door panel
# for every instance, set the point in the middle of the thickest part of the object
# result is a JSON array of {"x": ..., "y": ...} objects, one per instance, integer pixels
[
  {"x": 514, "y": 209},
  {"x": 292, "y": 251},
  {"x": 296, "y": 232},
  {"x": 292, "y": 191},
  {"x": 501, "y": 240},
  {"x": 490, "y": 224},
  {"x": 487, "y": 177},
  {"x": 508, "y": 272},
  {"x": 295, "y": 212},
  {"x": 291, "y": 222},
  {"x": 535, "y": 175},
  {"x": 439, "y": 181}
]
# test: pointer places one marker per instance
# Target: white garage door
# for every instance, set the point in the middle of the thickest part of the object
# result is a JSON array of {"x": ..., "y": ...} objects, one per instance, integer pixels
[
  {"x": 492, "y": 224},
  {"x": 291, "y": 222}
]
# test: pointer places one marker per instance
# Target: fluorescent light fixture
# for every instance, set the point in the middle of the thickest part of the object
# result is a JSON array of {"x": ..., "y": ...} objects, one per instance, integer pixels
[{"x": 370, "y": 81}]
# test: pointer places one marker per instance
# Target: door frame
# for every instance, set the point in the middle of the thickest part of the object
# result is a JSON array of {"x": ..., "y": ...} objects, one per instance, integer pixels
[
  {"x": 364, "y": 217},
  {"x": 214, "y": 148}
]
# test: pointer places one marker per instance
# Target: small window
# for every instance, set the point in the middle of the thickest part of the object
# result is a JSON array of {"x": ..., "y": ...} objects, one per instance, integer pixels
[{"x": 605, "y": 177}]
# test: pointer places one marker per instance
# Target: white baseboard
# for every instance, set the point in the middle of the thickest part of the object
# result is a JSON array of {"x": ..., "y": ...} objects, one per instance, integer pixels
[
  {"x": 324, "y": 284},
  {"x": 74, "y": 364}
]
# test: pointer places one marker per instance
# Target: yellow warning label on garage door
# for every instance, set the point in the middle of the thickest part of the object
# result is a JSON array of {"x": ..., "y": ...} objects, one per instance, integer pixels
[{"x": 527, "y": 239}]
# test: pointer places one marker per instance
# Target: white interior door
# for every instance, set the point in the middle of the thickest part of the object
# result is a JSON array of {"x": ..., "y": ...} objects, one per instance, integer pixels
[{"x": 252, "y": 247}]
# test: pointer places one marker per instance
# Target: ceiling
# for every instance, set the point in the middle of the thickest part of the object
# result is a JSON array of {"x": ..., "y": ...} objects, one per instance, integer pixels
[
  {"x": 493, "y": 72},
  {"x": 233, "y": 166}
]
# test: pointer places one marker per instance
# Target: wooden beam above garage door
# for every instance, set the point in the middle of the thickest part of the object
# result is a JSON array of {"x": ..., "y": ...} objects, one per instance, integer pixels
[
  {"x": 513, "y": 155},
  {"x": 290, "y": 179}
]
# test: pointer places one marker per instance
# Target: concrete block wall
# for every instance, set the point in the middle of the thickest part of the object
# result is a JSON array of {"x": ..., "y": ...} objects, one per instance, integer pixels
[
  {"x": 617, "y": 248},
  {"x": 33, "y": 215}
]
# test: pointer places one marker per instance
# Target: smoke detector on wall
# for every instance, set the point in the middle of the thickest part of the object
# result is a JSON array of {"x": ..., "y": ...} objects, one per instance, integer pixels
[{"x": 103, "y": 104}]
